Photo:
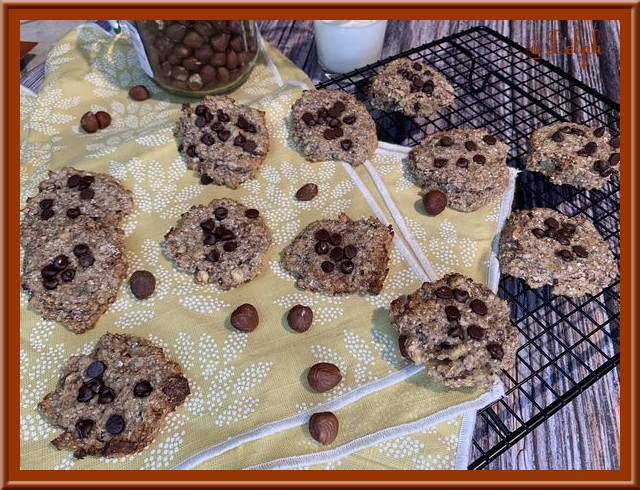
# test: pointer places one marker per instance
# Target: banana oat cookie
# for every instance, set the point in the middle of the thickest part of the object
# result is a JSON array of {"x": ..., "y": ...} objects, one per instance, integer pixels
[
  {"x": 411, "y": 87},
  {"x": 70, "y": 195},
  {"x": 459, "y": 329},
  {"x": 468, "y": 165},
  {"x": 74, "y": 275},
  {"x": 333, "y": 125},
  {"x": 340, "y": 256},
  {"x": 574, "y": 154},
  {"x": 543, "y": 246},
  {"x": 224, "y": 142},
  {"x": 113, "y": 401},
  {"x": 223, "y": 242}
]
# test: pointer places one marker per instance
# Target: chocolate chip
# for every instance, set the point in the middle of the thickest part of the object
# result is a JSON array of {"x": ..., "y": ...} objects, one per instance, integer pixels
[
  {"x": 576, "y": 131},
  {"x": 73, "y": 181},
  {"x": 191, "y": 151},
  {"x": 471, "y": 146},
  {"x": 201, "y": 110},
  {"x": 329, "y": 134},
  {"x": 96, "y": 369},
  {"x": 460, "y": 295},
  {"x": 599, "y": 132},
  {"x": 88, "y": 179},
  {"x": 322, "y": 248},
  {"x": 327, "y": 266},
  {"x": 417, "y": 66},
  {"x": 242, "y": 123},
  {"x": 230, "y": 246},
  {"x": 205, "y": 179},
  {"x": 223, "y": 117},
  {"x": 346, "y": 145},
  {"x": 84, "y": 394},
  {"x": 475, "y": 332},
  {"x": 95, "y": 384},
  {"x": 350, "y": 251},
  {"x": 538, "y": 232},
  {"x": 245, "y": 318},
  {"x": 252, "y": 213},
  {"x": 479, "y": 159},
  {"x": 212, "y": 256},
  {"x": 439, "y": 162},
  {"x": 488, "y": 139},
  {"x": 591, "y": 147},
  {"x": 563, "y": 240},
  {"x": 607, "y": 172},
  {"x": 142, "y": 389},
  {"x": 434, "y": 202},
  {"x": 60, "y": 262},
  {"x": 495, "y": 351},
  {"x": 51, "y": 283},
  {"x": 335, "y": 239},
  {"x": 46, "y": 203},
  {"x": 67, "y": 275},
  {"x": 224, "y": 234},
  {"x": 89, "y": 122},
  {"x": 444, "y": 292},
  {"x": 580, "y": 251},
  {"x": 570, "y": 227},
  {"x": 208, "y": 139},
  {"x": 565, "y": 255},
  {"x": 217, "y": 126},
  {"x": 456, "y": 333},
  {"x": 208, "y": 224},
  {"x": 106, "y": 396},
  {"x": 307, "y": 192},
  {"x": 73, "y": 213},
  {"x": 87, "y": 194},
  {"x": 418, "y": 82},
  {"x": 139, "y": 93},
  {"x": 200, "y": 122},
  {"x": 615, "y": 142},
  {"x": 452, "y": 312},
  {"x": 48, "y": 271},
  {"x": 427, "y": 89},
  {"x": 552, "y": 223},
  {"x": 478, "y": 306},
  {"x": 115, "y": 424},
  {"x": 308, "y": 119},
  {"x": 142, "y": 284},
  {"x": 104, "y": 119},
  {"x": 335, "y": 111},
  {"x": 249, "y": 146},
  {"x": 600, "y": 165},
  {"x": 413, "y": 88},
  {"x": 350, "y": 119},
  {"x": 220, "y": 213},
  {"x": 86, "y": 260},
  {"x": 557, "y": 137},
  {"x": 346, "y": 267},
  {"x": 224, "y": 135},
  {"x": 83, "y": 428},
  {"x": 551, "y": 233},
  {"x": 337, "y": 254},
  {"x": 614, "y": 159},
  {"x": 80, "y": 249},
  {"x": 445, "y": 345},
  {"x": 322, "y": 235},
  {"x": 446, "y": 141},
  {"x": 46, "y": 214}
]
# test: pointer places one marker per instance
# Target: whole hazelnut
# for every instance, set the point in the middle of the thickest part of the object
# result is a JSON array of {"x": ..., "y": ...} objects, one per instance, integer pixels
[
  {"x": 323, "y": 376},
  {"x": 323, "y": 427}
]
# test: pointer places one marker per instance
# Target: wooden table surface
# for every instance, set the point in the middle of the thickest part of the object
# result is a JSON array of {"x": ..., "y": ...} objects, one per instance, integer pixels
[{"x": 584, "y": 434}]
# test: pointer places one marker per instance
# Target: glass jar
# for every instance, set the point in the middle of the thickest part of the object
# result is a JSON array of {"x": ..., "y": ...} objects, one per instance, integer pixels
[{"x": 197, "y": 57}]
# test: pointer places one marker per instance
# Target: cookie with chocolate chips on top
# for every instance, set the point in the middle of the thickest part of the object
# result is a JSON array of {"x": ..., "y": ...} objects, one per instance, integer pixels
[
  {"x": 224, "y": 142},
  {"x": 113, "y": 401},
  {"x": 411, "y": 87},
  {"x": 543, "y": 246},
  {"x": 467, "y": 165},
  {"x": 223, "y": 242},
  {"x": 459, "y": 329},
  {"x": 574, "y": 154},
  {"x": 340, "y": 256},
  {"x": 333, "y": 125}
]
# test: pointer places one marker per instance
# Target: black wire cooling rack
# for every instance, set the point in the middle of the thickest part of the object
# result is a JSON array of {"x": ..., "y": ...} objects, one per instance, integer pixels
[{"x": 568, "y": 343}]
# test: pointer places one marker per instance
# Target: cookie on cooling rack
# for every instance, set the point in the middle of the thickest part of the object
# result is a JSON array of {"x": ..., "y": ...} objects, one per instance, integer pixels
[
  {"x": 333, "y": 125},
  {"x": 459, "y": 329},
  {"x": 224, "y": 142},
  {"x": 223, "y": 242},
  {"x": 112, "y": 402},
  {"x": 574, "y": 154},
  {"x": 468, "y": 165},
  {"x": 411, "y": 87},
  {"x": 340, "y": 256},
  {"x": 543, "y": 246}
]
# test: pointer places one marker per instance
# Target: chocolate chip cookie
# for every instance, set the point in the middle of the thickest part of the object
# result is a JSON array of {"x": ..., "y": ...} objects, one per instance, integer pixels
[
  {"x": 68, "y": 196},
  {"x": 333, "y": 125},
  {"x": 411, "y": 87},
  {"x": 223, "y": 242},
  {"x": 224, "y": 142},
  {"x": 468, "y": 165},
  {"x": 574, "y": 154},
  {"x": 340, "y": 256},
  {"x": 74, "y": 275},
  {"x": 112, "y": 402},
  {"x": 543, "y": 246},
  {"x": 459, "y": 329}
]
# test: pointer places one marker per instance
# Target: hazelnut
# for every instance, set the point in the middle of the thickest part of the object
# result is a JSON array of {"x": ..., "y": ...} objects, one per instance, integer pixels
[
  {"x": 323, "y": 427},
  {"x": 104, "y": 119},
  {"x": 89, "y": 122},
  {"x": 324, "y": 376},
  {"x": 245, "y": 318}
]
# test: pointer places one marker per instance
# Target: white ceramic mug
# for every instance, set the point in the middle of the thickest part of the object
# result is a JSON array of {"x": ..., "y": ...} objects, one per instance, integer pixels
[{"x": 344, "y": 45}]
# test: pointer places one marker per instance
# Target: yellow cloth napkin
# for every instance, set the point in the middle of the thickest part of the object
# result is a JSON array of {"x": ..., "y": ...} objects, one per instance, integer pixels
[{"x": 250, "y": 402}]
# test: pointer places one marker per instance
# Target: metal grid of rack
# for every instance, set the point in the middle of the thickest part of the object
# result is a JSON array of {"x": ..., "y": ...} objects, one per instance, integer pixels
[{"x": 568, "y": 343}]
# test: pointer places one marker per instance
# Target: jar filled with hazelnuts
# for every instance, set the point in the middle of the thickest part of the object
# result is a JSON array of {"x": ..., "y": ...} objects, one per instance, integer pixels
[{"x": 196, "y": 57}]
